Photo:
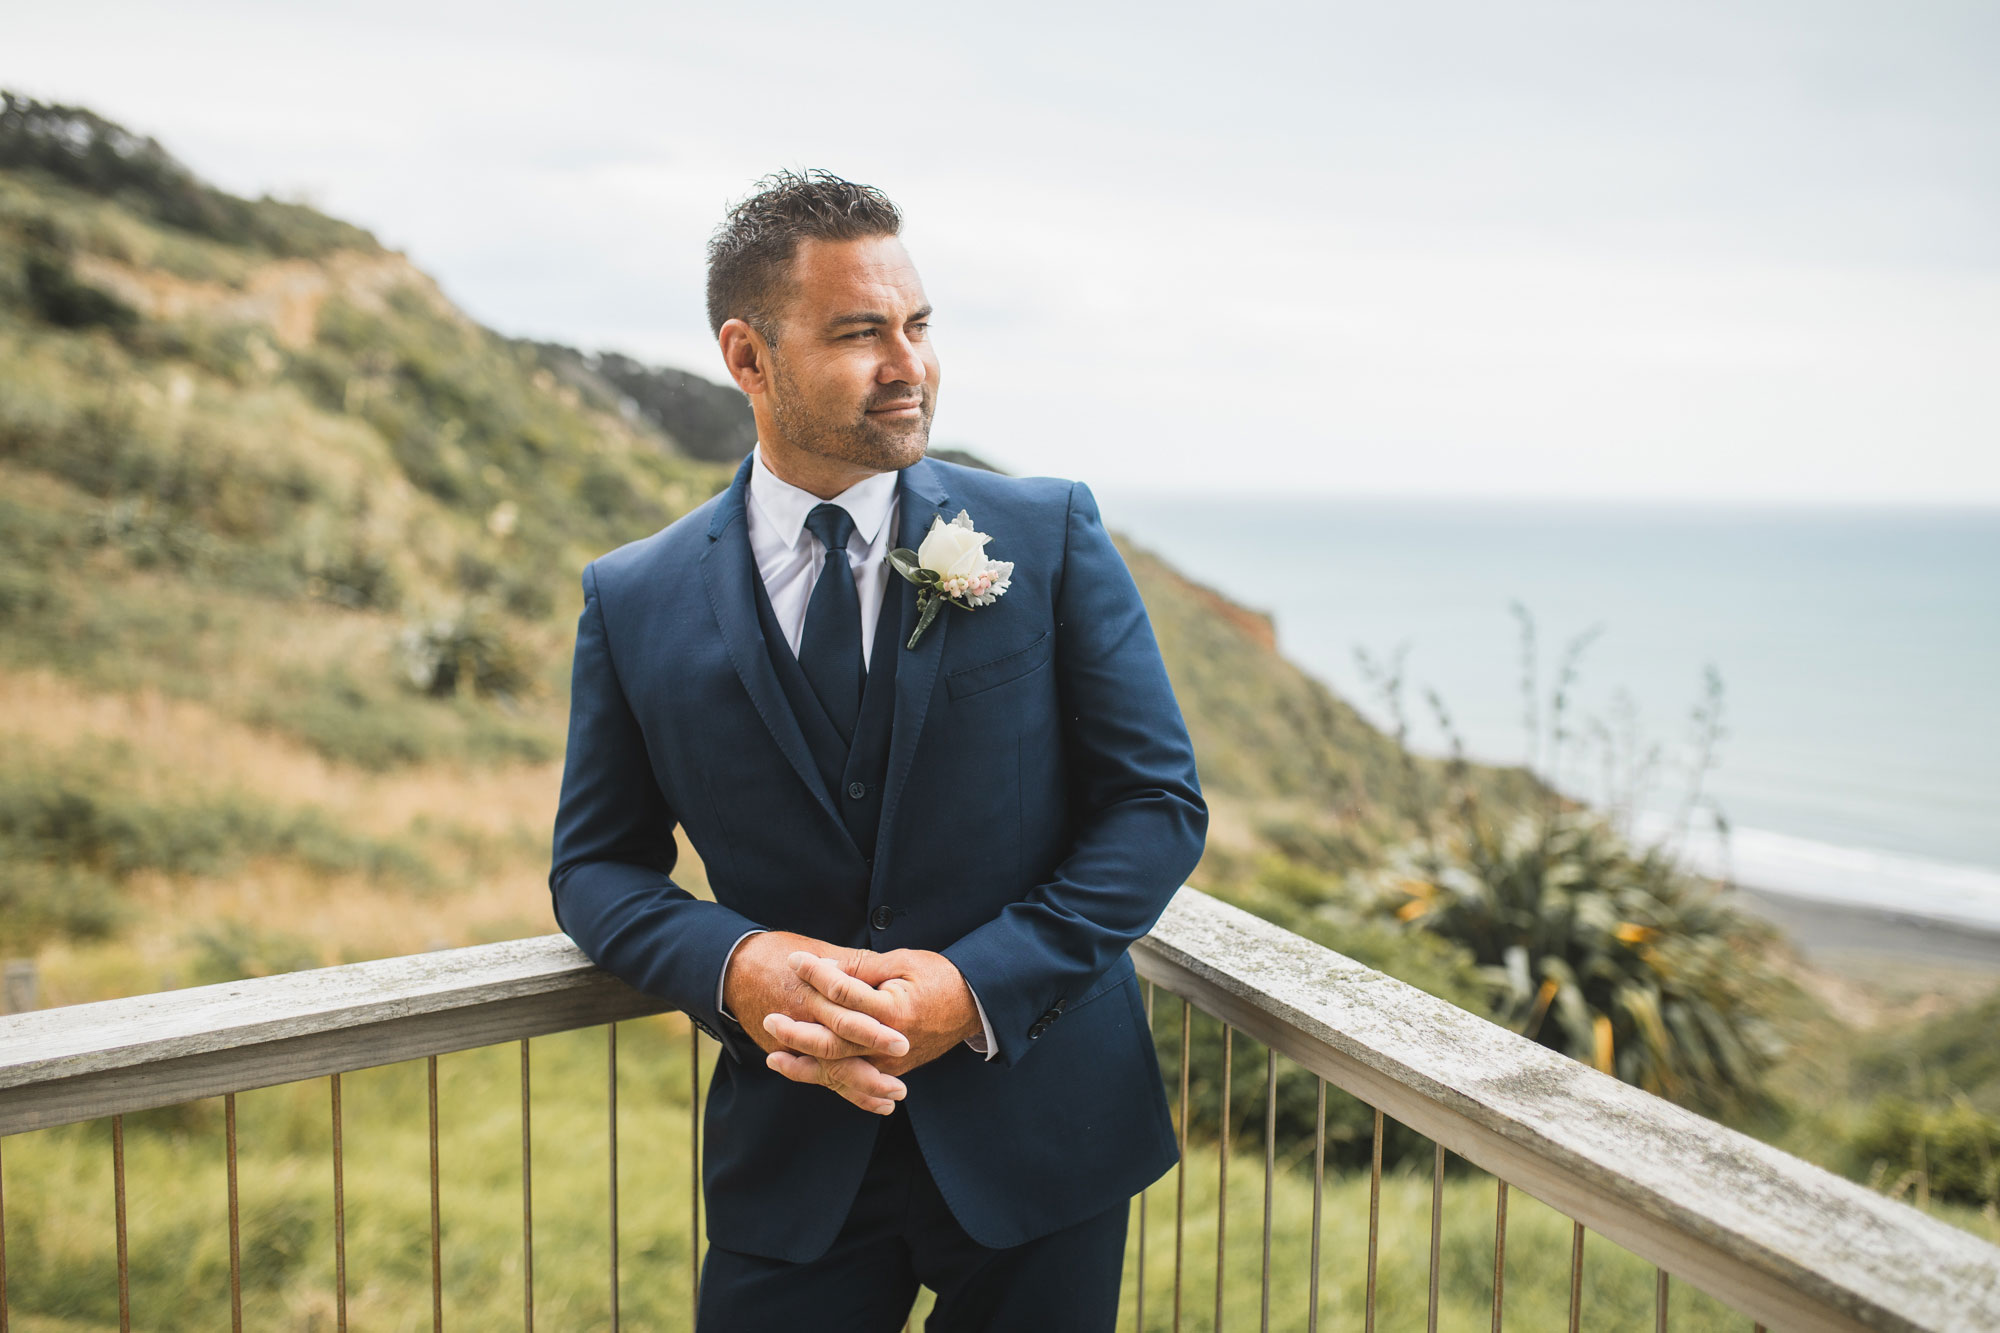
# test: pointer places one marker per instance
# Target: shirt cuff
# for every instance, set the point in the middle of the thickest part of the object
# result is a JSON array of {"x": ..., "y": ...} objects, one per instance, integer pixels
[
  {"x": 724, "y": 975},
  {"x": 983, "y": 1043}
]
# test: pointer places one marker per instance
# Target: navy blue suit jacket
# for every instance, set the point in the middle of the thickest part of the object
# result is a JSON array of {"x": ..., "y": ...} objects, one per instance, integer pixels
[{"x": 1040, "y": 808}]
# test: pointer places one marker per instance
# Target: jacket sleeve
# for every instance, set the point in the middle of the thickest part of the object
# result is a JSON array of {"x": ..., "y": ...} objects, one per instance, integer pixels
[
  {"x": 614, "y": 851},
  {"x": 1139, "y": 815}
]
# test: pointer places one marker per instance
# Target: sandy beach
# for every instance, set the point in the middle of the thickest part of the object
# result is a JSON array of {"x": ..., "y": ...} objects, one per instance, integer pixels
[{"x": 1822, "y": 930}]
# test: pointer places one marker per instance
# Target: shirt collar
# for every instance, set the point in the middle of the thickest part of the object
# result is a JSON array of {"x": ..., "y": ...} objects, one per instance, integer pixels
[{"x": 785, "y": 506}]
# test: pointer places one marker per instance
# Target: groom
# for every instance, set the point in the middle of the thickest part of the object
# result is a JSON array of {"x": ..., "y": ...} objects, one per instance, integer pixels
[{"x": 928, "y": 852}]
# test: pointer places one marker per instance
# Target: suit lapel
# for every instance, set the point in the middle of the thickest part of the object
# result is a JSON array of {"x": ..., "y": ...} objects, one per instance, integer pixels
[
  {"x": 922, "y": 498},
  {"x": 728, "y": 571}
]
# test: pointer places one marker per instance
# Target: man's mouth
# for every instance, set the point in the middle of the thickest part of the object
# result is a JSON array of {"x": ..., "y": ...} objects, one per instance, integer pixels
[{"x": 903, "y": 407}]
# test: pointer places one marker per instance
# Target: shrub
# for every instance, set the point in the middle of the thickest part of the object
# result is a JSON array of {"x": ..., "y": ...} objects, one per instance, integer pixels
[
  {"x": 1950, "y": 1152},
  {"x": 90, "y": 153},
  {"x": 468, "y": 652},
  {"x": 77, "y": 820},
  {"x": 1614, "y": 956},
  {"x": 63, "y": 299},
  {"x": 232, "y": 950},
  {"x": 42, "y": 900}
]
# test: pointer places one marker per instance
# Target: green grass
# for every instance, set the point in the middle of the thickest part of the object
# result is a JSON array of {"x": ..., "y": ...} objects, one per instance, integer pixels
[{"x": 60, "y": 1230}]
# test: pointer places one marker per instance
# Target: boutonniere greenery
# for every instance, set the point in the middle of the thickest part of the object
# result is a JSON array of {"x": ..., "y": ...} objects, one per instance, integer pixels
[{"x": 951, "y": 566}]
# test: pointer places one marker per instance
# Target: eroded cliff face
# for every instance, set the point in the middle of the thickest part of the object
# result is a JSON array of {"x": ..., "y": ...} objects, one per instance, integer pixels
[{"x": 285, "y": 296}]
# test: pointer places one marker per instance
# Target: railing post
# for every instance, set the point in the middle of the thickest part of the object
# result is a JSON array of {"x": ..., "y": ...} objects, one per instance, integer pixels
[
  {"x": 1270, "y": 1170},
  {"x": 1222, "y": 1178},
  {"x": 437, "y": 1238},
  {"x": 21, "y": 986},
  {"x": 3, "y": 1241},
  {"x": 118, "y": 1201},
  {"x": 339, "y": 1214},
  {"x": 611, "y": 1100},
  {"x": 235, "y": 1217},
  {"x": 527, "y": 1205}
]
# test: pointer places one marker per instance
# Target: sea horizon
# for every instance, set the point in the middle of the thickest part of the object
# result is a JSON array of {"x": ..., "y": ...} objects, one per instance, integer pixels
[{"x": 1858, "y": 645}]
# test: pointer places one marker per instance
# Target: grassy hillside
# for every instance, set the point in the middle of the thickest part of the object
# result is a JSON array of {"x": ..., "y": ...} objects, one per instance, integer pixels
[
  {"x": 262, "y": 477},
  {"x": 291, "y": 577}
]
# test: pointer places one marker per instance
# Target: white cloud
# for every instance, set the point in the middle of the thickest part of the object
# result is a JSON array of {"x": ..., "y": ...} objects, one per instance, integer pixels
[{"x": 1717, "y": 251}]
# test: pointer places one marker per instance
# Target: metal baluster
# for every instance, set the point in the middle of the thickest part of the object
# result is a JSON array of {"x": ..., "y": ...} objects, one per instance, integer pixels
[
  {"x": 1222, "y": 1175},
  {"x": 235, "y": 1213},
  {"x": 3, "y": 1246},
  {"x": 339, "y": 1219},
  {"x": 1437, "y": 1232},
  {"x": 118, "y": 1198},
  {"x": 527, "y": 1206},
  {"x": 437, "y": 1245},
  {"x": 1374, "y": 1220},
  {"x": 694, "y": 1173},
  {"x": 1659, "y": 1300},
  {"x": 1319, "y": 1187},
  {"x": 1576, "y": 1277},
  {"x": 1270, "y": 1169},
  {"x": 611, "y": 1062},
  {"x": 1180, "y": 1167},
  {"x": 1139, "y": 1305},
  {"x": 1499, "y": 1252}
]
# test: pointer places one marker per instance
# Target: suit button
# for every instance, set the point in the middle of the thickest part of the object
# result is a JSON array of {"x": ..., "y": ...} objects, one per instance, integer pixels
[
  {"x": 857, "y": 790},
  {"x": 883, "y": 916},
  {"x": 1037, "y": 1030}
]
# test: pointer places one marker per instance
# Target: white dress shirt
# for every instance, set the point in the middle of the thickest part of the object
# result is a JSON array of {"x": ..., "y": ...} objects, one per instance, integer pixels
[{"x": 789, "y": 559}]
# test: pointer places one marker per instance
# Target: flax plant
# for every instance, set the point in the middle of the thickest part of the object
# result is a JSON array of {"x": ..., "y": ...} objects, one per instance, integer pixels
[{"x": 1611, "y": 952}]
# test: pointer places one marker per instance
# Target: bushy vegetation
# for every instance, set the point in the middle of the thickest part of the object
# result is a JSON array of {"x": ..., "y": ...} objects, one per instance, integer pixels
[
  {"x": 1930, "y": 1151},
  {"x": 1929, "y": 1126},
  {"x": 72, "y": 831},
  {"x": 706, "y": 420},
  {"x": 1614, "y": 954},
  {"x": 84, "y": 150},
  {"x": 364, "y": 532}
]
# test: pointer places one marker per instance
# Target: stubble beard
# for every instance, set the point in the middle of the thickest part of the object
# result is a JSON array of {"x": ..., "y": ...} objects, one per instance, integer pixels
[{"x": 856, "y": 439}]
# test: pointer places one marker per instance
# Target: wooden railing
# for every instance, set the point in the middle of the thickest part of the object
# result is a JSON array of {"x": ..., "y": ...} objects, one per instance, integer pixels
[{"x": 1787, "y": 1244}]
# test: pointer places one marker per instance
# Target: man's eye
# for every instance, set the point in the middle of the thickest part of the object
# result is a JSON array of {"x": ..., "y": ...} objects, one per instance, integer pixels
[
  {"x": 922, "y": 330},
  {"x": 864, "y": 333}
]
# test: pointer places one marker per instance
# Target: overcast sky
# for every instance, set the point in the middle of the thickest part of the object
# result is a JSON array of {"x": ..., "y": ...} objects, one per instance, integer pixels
[{"x": 1737, "y": 251}]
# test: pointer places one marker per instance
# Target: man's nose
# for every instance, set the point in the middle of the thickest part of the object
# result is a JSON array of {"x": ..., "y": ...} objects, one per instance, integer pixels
[{"x": 902, "y": 361}]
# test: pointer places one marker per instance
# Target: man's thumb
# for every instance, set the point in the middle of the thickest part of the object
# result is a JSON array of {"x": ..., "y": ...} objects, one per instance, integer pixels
[{"x": 875, "y": 968}]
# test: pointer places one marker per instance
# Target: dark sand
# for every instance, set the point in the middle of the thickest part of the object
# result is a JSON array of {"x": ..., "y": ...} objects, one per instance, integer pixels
[{"x": 1833, "y": 933}]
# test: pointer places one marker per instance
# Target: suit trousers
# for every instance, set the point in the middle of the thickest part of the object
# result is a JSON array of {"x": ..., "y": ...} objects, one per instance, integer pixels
[{"x": 900, "y": 1234}]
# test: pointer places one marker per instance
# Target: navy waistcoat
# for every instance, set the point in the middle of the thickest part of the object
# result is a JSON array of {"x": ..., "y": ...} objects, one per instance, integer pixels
[{"x": 853, "y": 774}]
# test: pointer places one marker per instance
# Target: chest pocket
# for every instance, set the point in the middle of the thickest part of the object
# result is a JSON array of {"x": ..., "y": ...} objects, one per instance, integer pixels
[{"x": 1000, "y": 670}]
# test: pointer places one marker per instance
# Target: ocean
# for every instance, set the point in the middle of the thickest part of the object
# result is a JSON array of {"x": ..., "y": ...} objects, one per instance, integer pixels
[{"x": 1859, "y": 651}]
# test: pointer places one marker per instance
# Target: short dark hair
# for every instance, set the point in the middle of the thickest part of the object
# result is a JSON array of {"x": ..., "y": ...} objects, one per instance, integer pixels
[{"x": 750, "y": 256}]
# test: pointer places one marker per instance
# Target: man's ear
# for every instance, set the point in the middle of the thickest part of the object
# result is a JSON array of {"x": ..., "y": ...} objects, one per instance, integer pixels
[{"x": 746, "y": 355}]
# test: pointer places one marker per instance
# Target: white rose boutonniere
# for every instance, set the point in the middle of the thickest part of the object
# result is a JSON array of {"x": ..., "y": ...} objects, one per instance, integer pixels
[{"x": 951, "y": 566}]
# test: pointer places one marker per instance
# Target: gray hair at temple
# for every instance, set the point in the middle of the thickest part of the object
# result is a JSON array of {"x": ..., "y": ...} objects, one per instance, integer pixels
[{"x": 750, "y": 256}]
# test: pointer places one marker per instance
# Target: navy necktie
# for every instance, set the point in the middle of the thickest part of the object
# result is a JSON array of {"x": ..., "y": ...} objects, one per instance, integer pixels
[{"x": 830, "y": 646}]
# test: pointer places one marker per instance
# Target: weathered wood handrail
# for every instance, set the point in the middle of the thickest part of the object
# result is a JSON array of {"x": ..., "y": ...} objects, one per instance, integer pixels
[
  {"x": 1789, "y": 1244},
  {"x": 1781, "y": 1240},
  {"x": 89, "y": 1060}
]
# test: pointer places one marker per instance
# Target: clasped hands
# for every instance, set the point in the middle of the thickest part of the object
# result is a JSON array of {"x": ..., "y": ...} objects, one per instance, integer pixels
[{"x": 849, "y": 1019}]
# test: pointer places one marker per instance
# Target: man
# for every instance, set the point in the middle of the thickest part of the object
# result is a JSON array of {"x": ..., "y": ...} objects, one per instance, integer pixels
[{"x": 929, "y": 851}]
